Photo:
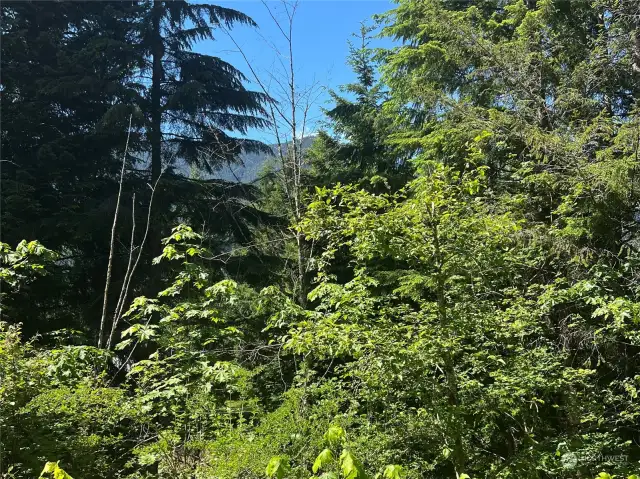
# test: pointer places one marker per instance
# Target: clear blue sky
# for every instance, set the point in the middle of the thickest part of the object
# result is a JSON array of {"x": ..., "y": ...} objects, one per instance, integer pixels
[{"x": 321, "y": 31}]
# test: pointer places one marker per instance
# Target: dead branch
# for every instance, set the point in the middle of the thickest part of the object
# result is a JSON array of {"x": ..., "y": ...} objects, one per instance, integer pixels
[{"x": 113, "y": 239}]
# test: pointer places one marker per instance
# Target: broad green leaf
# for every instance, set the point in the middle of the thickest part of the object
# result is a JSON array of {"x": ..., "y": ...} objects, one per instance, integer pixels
[
  {"x": 49, "y": 467},
  {"x": 393, "y": 471},
  {"x": 278, "y": 467},
  {"x": 351, "y": 467},
  {"x": 54, "y": 470},
  {"x": 325, "y": 457}
]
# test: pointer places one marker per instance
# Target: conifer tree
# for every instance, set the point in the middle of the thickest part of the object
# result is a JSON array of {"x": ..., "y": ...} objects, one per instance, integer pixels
[
  {"x": 193, "y": 100},
  {"x": 66, "y": 69},
  {"x": 72, "y": 75},
  {"x": 356, "y": 147}
]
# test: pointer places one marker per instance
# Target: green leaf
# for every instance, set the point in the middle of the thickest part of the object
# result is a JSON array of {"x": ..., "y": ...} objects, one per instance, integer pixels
[
  {"x": 49, "y": 467},
  {"x": 325, "y": 457},
  {"x": 278, "y": 467},
  {"x": 351, "y": 467},
  {"x": 393, "y": 471},
  {"x": 334, "y": 435},
  {"x": 123, "y": 344},
  {"x": 54, "y": 470}
]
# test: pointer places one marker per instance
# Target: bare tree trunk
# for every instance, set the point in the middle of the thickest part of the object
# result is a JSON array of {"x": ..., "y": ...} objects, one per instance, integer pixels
[
  {"x": 636, "y": 50},
  {"x": 105, "y": 299},
  {"x": 131, "y": 267},
  {"x": 303, "y": 260},
  {"x": 289, "y": 118}
]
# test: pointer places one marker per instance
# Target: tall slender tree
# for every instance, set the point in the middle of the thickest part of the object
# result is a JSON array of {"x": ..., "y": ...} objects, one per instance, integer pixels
[
  {"x": 193, "y": 101},
  {"x": 355, "y": 147}
]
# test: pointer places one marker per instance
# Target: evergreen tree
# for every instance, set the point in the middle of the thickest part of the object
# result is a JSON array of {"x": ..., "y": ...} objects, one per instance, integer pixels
[
  {"x": 193, "y": 100},
  {"x": 191, "y": 104},
  {"x": 73, "y": 74},
  {"x": 65, "y": 74},
  {"x": 356, "y": 148},
  {"x": 544, "y": 95}
]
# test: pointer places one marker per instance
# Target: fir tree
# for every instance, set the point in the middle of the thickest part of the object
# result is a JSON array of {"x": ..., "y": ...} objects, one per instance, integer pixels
[
  {"x": 356, "y": 147},
  {"x": 193, "y": 100}
]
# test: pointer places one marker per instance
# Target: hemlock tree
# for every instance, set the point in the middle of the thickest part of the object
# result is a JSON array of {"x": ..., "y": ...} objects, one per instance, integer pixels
[
  {"x": 65, "y": 75},
  {"x": 191, "y": 101},
  {"x": 356, "y": 147}
]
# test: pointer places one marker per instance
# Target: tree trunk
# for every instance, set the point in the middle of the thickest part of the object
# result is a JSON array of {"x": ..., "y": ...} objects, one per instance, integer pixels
[
  {"x": 303, "y": 283},
  {"x": 156, "y": 93}
]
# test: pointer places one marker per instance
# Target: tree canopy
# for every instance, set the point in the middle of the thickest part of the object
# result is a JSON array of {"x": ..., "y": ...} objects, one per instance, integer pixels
[{"x": 443, "y": 285}]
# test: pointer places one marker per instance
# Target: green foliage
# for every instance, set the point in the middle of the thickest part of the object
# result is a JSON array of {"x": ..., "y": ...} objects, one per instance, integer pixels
[
  {"x": 278, "y": 467},
  {"x": 295, "y": 430},
  {"x": 356, "y": 149},
  {"x": 443, "y": 306},
  {"x": 57, "y": 403},
  {"x": 19, "y": 267},
  {"x": 346, "y": 465},
  {"x": 193, "y": 380},
  {"x": 323, "y": 459},
  {"x": 479, "y": 319},
  {"x": 52, "y": 469}
]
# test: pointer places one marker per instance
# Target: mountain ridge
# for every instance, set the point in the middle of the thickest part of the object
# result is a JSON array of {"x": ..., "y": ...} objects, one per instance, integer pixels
[{"x": 251, "y": 164}]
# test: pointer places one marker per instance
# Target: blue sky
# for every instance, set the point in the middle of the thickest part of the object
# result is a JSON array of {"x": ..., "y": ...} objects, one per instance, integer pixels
[{"x": 321, "y": 31}]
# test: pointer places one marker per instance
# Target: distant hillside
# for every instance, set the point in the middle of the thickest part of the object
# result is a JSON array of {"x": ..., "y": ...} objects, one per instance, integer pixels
[
  {"x": 245, "y": 172},
  {"x": 252, "y": 164}
]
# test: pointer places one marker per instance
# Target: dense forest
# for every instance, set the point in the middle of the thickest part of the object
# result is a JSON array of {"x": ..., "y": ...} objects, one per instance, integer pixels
[{"x": 445, "y": 283}]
